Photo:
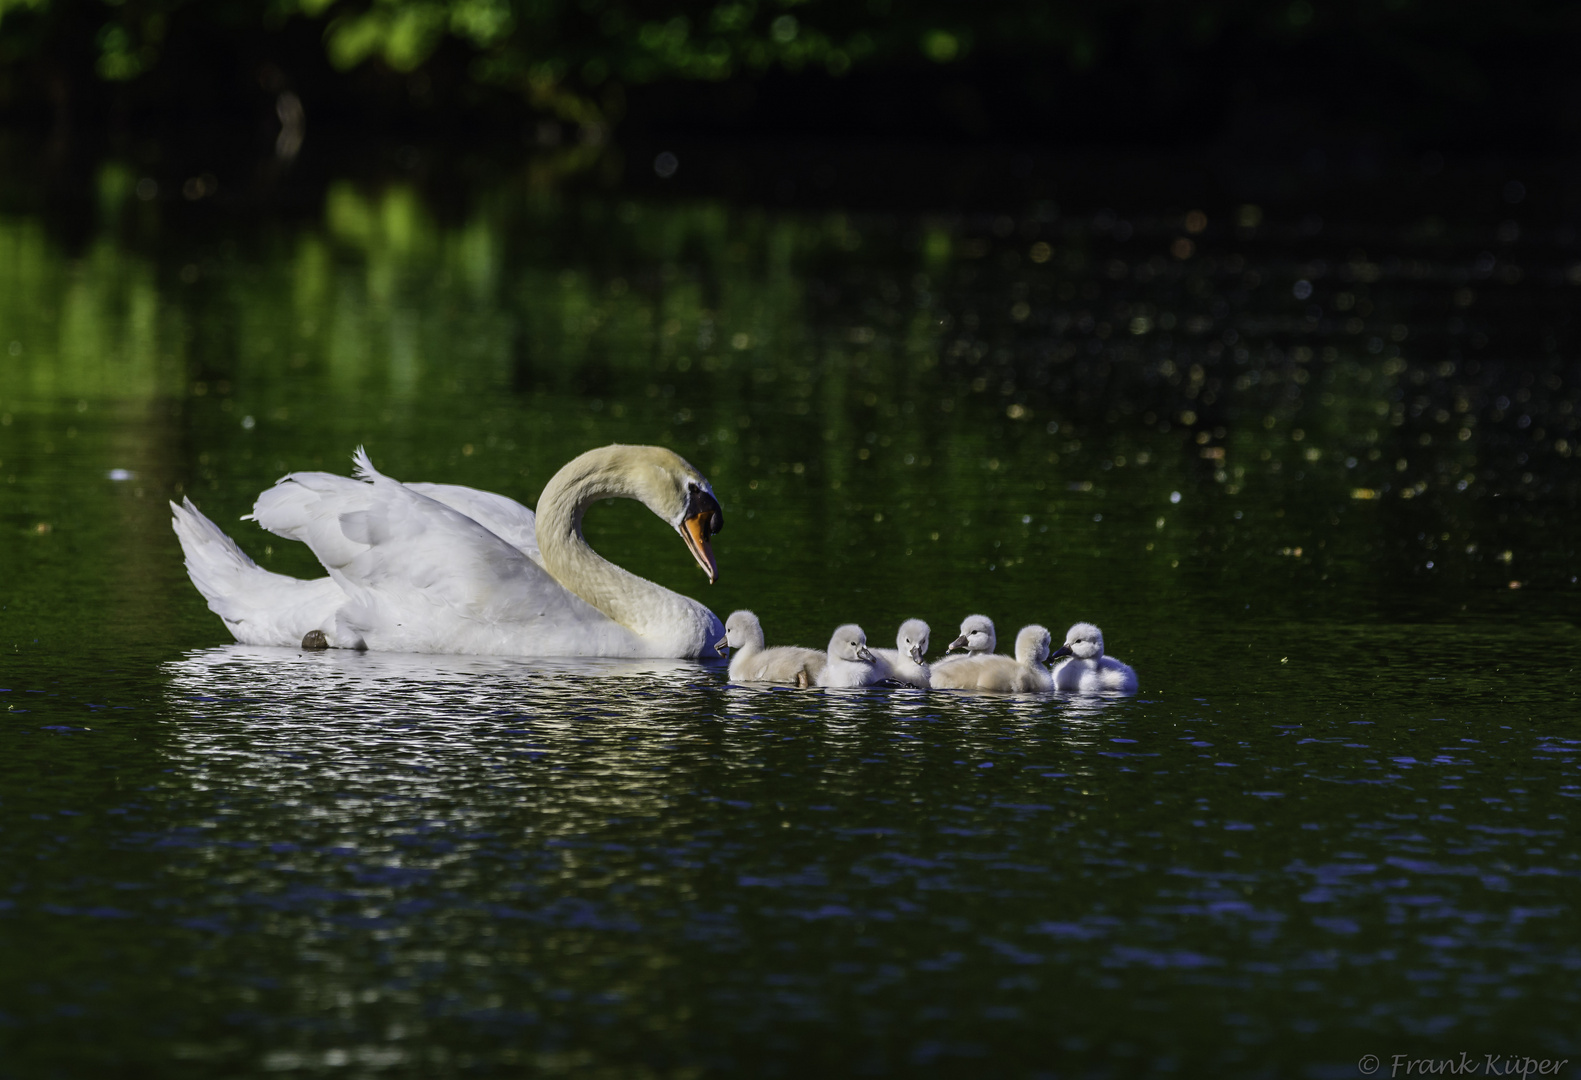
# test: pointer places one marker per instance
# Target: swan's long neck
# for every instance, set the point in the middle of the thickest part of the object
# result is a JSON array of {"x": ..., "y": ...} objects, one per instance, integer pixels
[{"x": 634, "y": 602}]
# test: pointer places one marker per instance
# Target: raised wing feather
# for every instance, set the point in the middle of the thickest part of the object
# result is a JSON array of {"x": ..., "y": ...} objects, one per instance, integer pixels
[
  {"x": 504, "y": 517},
  {"x": 420, "y": 575}
]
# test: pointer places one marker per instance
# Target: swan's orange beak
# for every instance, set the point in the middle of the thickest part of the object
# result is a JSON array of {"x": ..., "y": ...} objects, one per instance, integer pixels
[
  {"x": 695, "y": 531},
  {"x": 703, "y": 518}
]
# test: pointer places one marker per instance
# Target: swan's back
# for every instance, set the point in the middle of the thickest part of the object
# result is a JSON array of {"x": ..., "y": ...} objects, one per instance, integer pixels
[
  {"x": 786, "y": 664},
  {"x": 1094, "y": 676},
  {"x": 993, "y": 674},
  {"x": 975, "y": 672},
  {"x": 421, "y": 576},
  {"x": 504, "y": 517},
  {"x": 1002, "y": 674}
]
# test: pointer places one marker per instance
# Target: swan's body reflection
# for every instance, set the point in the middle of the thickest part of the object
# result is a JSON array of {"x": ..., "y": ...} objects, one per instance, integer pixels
[
  {"x": 382, "y": 674},
  {"x": 280, "y": 710}
]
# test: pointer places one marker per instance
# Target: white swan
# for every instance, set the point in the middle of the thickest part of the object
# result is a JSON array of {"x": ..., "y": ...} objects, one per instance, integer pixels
[
  {"x": 789, "y": 664},
  {"x": 1088, "y": 670},
  {"x": 904, "y": 663},
  {"x": 1001, "y": 674},
  {"x": 850, "y": 660},
  {"x": 437, "y": 568},
  {"x": 977, "y": 638}
]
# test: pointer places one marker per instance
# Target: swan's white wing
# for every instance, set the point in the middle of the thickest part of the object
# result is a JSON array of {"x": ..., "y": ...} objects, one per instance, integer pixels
[
  {"x": 258, "y": 606},
  {"x": 423, "y": 577},
  {"x": 504, "y": 517}
]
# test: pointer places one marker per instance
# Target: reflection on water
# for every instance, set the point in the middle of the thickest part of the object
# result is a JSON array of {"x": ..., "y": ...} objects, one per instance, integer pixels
[
  {"x": 292, "y": 674},
  {"x": 403, "y": 864},
  {"x": 1312, "y": 477},
  {"x": 581, "y": 865}
]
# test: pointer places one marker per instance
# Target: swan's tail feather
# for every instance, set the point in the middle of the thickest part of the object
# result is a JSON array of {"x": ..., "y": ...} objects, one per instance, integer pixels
[
  {"x": 214, "y": 562},
  {"x": 259, "y": 607}
]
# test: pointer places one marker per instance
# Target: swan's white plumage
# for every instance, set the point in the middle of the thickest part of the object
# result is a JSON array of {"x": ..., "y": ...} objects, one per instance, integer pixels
[
  {"x": 505, "y": 518},
  {"x": 1001, "y": 674},
  {"x": 414, "y": 573},
  {"x": 904, "y": 663},
  {"x": 850, "y": 660},
  {"x": 258, "y": 606},
  {"x": 1087, "y": 670},
  {"x": 791, "y": 665}
]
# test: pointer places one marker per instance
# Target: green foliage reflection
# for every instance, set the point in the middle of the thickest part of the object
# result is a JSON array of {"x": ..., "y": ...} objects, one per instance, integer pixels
[{"x": 1021, "y": 406}]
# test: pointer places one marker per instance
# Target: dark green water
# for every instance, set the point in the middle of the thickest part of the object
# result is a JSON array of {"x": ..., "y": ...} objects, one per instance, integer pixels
[{"x": 1315, "y": 480}]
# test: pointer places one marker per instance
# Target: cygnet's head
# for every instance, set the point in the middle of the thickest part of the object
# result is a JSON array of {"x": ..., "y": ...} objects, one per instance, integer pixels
[
  {"x": 1032, "y": 644},
  {"x": 1084, "y": 641},
  {"x": 741, "y": 629},
  {"x": 912, "y": 640},
  {"x": 849, "y": 643},
  {"x": 977, "y": 635}
]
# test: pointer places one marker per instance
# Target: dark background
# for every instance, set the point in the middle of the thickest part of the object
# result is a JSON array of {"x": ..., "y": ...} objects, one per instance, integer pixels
[{"x": 867, "y": 105}]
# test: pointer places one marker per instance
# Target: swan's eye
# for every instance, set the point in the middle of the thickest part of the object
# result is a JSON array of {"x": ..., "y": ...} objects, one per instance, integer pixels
[{"x": 701, "y": 504}]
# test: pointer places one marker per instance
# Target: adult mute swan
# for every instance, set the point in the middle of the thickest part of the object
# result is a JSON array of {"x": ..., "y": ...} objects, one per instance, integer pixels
[
  {"x": 789, "y": 664},
  {"x": 904, "y": 663},
  {"x": 1001, "y": 674},
  {"x": 850, "y": 660},
  {"x": 1088, "y": 670},
  {"x": 977, "y": 638},
  {"x": 438, "y": 568}
]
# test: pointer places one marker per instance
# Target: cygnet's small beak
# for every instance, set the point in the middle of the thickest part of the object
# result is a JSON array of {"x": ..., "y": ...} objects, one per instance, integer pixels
[
  {"x": 1063, "y": 650},
  {"x": 722, "y": 646},
  {"x": 916, "y": 654},
  {"x": 864, "y": 653},
  {"x": 958, "y": 643}
]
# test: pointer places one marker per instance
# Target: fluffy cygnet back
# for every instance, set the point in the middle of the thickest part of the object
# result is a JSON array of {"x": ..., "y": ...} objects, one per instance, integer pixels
[
  {"x": 1000, "y": 674},
  {"x": 904, "y": 663},
  {"x": 977, "y": 638},
  {"x": 1087, "y": 669},
  {"x": 850, "y": 660},
  {"x": 787, "y": 664}
]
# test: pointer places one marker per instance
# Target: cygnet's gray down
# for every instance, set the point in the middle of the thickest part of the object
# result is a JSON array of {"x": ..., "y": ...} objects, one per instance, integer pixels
[
  {"x": 977, "y": 638},
  {"x": 850, "y": 660},
  {"x": 788, "y": 664},
  {"x": 1087, "y": 670},
  {"x": 1000, "y": 674},
  {"x": 904, "y": 663}
]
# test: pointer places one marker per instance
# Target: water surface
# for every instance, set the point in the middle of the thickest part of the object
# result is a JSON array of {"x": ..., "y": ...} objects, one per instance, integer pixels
[{"x": 1313, "y": 478}]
